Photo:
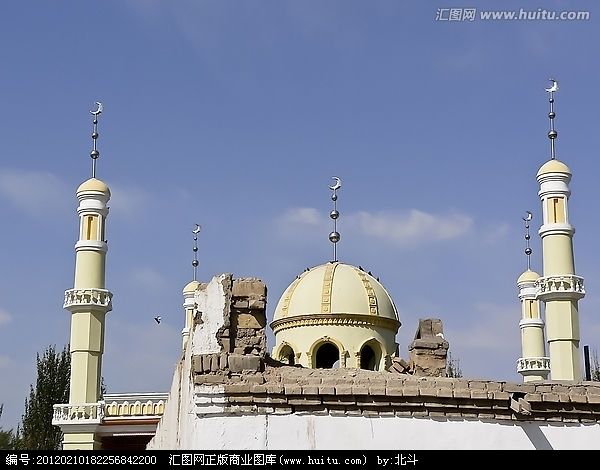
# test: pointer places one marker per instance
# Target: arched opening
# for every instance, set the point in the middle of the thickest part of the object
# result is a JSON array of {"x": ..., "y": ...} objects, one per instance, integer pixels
[
  {"x": 368, "y": 359},
  {"x": 286, "y": 355},
  {"x": 327, "y": 356}
]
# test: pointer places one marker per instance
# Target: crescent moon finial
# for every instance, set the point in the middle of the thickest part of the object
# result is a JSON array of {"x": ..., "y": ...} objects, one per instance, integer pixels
[
  {"x": 98, "y": 109},
  {"x": 553, "y": 87},
  {"x": 197, "y": 228},
  {"x": 337, "y": 185},
  {"x": 528, "y": 216}
]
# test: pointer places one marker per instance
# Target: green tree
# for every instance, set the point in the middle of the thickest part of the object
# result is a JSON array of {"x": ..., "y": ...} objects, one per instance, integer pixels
[
  {"x": 453, "y": 367},
  {"x": 7, "y": 438},
  {"x": 52, "y": 387}
]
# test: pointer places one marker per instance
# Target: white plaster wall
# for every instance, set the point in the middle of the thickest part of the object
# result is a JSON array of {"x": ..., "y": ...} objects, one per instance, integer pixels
[
  {"x": 211, "y": 304},
  {"x": 295, "y": 431}
]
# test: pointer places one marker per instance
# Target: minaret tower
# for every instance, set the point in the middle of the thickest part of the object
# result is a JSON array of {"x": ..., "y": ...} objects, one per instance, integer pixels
[
  {"x": 559, "y": 288},
  {"x": 89, "y": 301},
  {"x": 533, "y": 365},
  {"x": 189, "y": 293}
]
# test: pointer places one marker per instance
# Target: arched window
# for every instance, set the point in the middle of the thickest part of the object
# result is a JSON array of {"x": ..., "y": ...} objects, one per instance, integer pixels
[
  {"x": 287, "y": 356},
  {"x": 370, "y": 355},
  {"x": 327, "y": 356}
]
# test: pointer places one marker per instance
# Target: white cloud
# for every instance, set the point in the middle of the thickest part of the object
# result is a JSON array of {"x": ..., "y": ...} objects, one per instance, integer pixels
[
  {"x": 36, "y": 193},
  {"x": 4, "y": 317},
  {"x": 127, "y": 201},
  {"x": 149, "y": 279},
  {"x": 412, "y": 227},
  {"x": 302, "y": 216}
]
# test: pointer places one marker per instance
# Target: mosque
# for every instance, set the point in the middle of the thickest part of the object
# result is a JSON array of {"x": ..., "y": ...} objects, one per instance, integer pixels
[{"x": 334, "y": 378}]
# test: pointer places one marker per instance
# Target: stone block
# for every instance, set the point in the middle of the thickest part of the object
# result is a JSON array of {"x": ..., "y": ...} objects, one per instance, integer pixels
[
  {"x": 393, "y": 391},
  {"x": 326, "y": 390},
  {"x": 251, "y": 320},
  {"x": 477, "y": 385},
  {"x": 410, "y": 391},
  {"x": 240, "y": 303},
  {"x": 274, "y": 388},
  {"x": 254, "y": 378},
  {"x": 197, "y": 364},
  {"x": 248, "y": 288},
  {"x": 501, "y": 395},
  {"x": 353, "y": 412},
  {"x": 293, "y": 389},
  {"x": 593, "y": 398},
  {"x": 209, "y": 379},
  {"x": 256, "y": 304},
  {"x": 444, "y": 393},
  {"x": 427, "y": 391},
  {"x": 461, "y": 393},
  {"x": 223, "y": 361},
  {"x": 237, "y": 388},
  {"x": 370, "y": 413},
  {"x": 206, "y": 362},
  {"x": 377, "y": 390},
  {"x": 479, "y": 394},
  {"x": 304, "y": 401},
  {"x": 493, "y": 386},
  {"x": 533, "y": 397},
  {"x": 563, "y": 397},
  {"x": 310, "y": 390},
  {"x": 550, "y": 397},
  {"x": 343, "y": 390},
  {"x": 238, "y": 363},
  {"x": 256, "y": 388},
  {"x": 214, "y": 362},
  {"x": 576, "y": 398}
]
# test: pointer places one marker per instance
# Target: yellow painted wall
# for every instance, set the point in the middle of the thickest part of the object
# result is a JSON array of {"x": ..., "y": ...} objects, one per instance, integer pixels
[
  {"x": 558, "y": 255},
  {"x": 89, "y": 269}
]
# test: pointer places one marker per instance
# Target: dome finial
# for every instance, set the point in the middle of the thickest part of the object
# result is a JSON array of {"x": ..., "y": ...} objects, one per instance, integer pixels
[
  {"x": 195, "y": 263},
  {"x": 334, "y": 236},
  {"x": 528, "y": 249},
  {"x": 552, "y": 134},
  {"x": 94, "y": 154}
]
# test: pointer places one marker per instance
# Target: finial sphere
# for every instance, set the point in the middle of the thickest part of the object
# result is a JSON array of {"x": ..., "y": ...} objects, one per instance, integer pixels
[
  {"x": 334, "y": 214},
  {"x": 334, "y": 237},
  {"x": 552, "y": 134},
  {"x": 94, "y": 154},
  {"x": 195, "y": 263},
  {"x": 528, "y": 251}
]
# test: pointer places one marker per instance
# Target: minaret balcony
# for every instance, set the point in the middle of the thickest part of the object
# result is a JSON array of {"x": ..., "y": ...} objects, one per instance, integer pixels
[
  {"x": 81, "y": 299},
  {"x": 533, "y": 365},
  {"x": 568, "y": 287},
  {"x": 86, "y": 413}
]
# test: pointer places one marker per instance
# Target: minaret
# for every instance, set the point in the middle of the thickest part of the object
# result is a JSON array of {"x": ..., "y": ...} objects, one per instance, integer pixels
[
  {"x": 559, "y": 288},
  {"x": 533, "y": 365},
  {"x": 189, "y": 293},
  {"x": 89, "y": 301}
]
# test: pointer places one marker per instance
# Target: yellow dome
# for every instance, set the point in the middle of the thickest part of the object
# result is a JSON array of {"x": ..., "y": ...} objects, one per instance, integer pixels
[
  {"x": 553, "y": 166},
  {"x": 335, "y": 288},
  {"x": 191, "y": 287},
  {"x": 528, "y": 276},
  {"x": 93, "y": 184}
]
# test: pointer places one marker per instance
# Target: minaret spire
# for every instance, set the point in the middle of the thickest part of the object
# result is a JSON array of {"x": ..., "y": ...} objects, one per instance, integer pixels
[
  {"x": 95, "y": 154},
  {"x": 88, "y": 301},
  {"x": 559, "y": 288},
  {"x": 533, "y": 365},
  {"x": 195, "y": 263},
  {"x": 334, "y": 237},
  {"x": 528, "y": 250}
]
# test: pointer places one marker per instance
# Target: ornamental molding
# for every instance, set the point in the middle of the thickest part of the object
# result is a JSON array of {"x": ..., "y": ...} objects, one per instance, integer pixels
[
  {"x": 568, "y": 287},
  {"x": 92, "y": 298},
  {"x": 338, "y": 319}
]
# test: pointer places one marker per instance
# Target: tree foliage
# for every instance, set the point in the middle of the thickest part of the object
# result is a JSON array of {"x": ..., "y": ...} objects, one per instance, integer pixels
[
  {"x": 51, "y": 387},
  {"x": 453, "y": 367},
  {"x": 7, "y": 438}
]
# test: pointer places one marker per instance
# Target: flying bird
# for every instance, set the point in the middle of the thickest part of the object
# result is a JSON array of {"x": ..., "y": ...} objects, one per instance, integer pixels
[
  {"x": 197, "y": 229},
  {"x": 554, "y": 86},
  {"x": 98, "y": 109},
  {"x": 157, "y": 319},
  {"x": 337, "y": 185}
]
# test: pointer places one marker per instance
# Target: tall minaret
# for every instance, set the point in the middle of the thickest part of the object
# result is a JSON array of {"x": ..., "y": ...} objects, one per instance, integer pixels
[
  {"x": 560, "y": 289},
  {"x": 189, "y": 293},
  {"x": 533, "y": 364},
  {"x": 88, "y": 301}
]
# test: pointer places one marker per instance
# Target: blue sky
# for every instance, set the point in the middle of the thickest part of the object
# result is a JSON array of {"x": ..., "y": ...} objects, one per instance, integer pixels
[{"x": 235, "y": 114}]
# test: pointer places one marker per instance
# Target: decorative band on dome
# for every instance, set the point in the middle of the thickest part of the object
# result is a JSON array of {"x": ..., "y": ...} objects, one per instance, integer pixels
[
  {"x": 327, "y": 285},
  {"x": 288, "y": 296},
  {"x": 372, "y": 298}
]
